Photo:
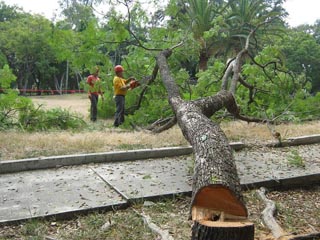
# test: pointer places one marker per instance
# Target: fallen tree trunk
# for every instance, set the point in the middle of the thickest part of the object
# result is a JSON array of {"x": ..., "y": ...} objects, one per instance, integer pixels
[{"x": 217, "y": 206}]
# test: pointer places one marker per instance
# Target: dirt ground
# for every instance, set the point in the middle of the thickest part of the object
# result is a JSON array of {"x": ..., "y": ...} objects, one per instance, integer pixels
[{"x": 74, "y": 102}]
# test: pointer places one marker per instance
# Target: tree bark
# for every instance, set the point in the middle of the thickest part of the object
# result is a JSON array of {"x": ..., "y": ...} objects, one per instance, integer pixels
[
  {"x": 222, "y": 232},
  {"x": 268, "y": 215},
  {"x": 203, "y": 59},
  {"x": 216, "y": 191},
  {"x": 227, "y": 74}
]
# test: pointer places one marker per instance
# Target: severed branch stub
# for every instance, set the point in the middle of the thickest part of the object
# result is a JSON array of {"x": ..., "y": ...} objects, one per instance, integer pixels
[
  {"x": 163, "y": 234},
  {"x": 217, "y": 206},
  {"x": 269, "y": 220},
  {"x": 268, "y": 214}
]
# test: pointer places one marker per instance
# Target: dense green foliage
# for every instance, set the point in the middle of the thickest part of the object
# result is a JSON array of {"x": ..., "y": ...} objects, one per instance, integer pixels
[
  {"x": 20, "y": 112},
  {"x": 282, "y": 72}
]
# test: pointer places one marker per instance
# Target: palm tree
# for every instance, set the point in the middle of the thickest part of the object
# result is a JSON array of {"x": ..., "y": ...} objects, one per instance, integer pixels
[
  {"x": 246, "y": 15},
  {"x": 261, "y": 17},
  {"x": 199, "y": 18},
  {"x": 239, "y": 17}
]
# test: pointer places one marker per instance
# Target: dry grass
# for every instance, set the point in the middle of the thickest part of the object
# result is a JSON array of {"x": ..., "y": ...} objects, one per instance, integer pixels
[
  {"x": 17, "y": 145},
  {"x": 101, "y": 138},
  {"x": 253, "y": 132}
]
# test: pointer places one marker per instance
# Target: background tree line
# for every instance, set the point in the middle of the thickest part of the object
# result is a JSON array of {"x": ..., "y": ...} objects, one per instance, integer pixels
[{"x": 279, "y": 80}]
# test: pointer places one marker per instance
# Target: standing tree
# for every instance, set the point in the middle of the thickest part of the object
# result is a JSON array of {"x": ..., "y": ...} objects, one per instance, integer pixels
[{"x": 28, "y": 53}]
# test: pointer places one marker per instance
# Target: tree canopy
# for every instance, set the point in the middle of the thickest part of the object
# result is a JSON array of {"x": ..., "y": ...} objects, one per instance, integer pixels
[{"x": 278, "y": 74}]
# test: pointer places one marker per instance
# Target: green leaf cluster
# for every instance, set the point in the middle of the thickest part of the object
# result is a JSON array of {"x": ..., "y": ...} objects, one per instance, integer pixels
[
  {"x": 305, "y": 107},
  {"x": 153, "y": 107},
  {"x": 32, "y": 119},
  {"x": 11, "y": 106},
  {"x": 19, "y": 112},
  {"x": 6, "y": 78}
]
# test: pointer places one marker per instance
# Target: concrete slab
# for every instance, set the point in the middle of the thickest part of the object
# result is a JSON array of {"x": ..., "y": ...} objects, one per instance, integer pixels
[
  {"x": 148, "y": 178},
  {"x": 276, "y": 164},
  {"x": 52, "y": 192}
]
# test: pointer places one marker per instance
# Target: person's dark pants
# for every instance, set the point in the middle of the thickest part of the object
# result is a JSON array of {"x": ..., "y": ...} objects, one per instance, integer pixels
[
  {"x": 94, "y": 107},
  {"x": 119, "y": 115}
]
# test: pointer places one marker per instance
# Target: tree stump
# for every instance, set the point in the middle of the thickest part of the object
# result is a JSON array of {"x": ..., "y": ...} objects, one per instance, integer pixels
[
  {"x": 206, "y": 230},
  {"x": 218, "y": 215}
]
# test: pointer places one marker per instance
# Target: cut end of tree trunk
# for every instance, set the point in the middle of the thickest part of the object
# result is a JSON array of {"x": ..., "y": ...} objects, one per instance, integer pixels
[
  {"x": 219, "y": 224},
  {"x": 214, "y": 201},
  {"x": 218, "y": 214}
]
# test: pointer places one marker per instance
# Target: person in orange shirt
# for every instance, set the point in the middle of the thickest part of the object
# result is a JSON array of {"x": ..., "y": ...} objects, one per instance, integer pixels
[
  {"x": 94, "y": 83},
  {"x": 120, "y": 87}
]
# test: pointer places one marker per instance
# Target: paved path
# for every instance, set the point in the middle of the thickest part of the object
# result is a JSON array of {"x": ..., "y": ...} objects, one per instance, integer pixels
[{"x": 73, "y": 189}]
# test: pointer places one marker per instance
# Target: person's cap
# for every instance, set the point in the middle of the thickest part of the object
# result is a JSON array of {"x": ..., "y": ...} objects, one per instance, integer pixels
[{"x": 118, "y": 68}]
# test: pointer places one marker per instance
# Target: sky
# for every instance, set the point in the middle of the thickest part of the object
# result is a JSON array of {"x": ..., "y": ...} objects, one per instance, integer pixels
[{"x": 300, "y": 11}]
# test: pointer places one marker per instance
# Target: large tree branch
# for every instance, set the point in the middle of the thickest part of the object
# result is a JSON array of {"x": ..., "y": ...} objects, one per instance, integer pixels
[
  {"x": 162, "y": 124},
  {"x": 237, "y": 70},
  {"x": 237, "y": 65},
  {"x": 171, "y": 87},
  {"x": 150, "y": 80},
  {"x": 228, "y": 71},
  {"x": 268, "y": 215},
  {"x": 212, "y": 104}
]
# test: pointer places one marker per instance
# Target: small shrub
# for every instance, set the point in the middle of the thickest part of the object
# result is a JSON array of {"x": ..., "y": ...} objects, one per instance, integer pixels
[
  {"x": 296, "y": 160},
  {"x": 34, "y": 229},
  {"x": 32, "y": 119}
]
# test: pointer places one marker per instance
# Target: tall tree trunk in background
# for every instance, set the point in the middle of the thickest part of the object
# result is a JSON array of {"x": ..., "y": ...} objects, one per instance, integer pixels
[
  {"x": 203, "y": 60},
  {"x": 217, "y": 206},
  {"x": 227, "y": 74},
  {"x": 237, "y": 70},
  {"x": 26, "y": 74}
]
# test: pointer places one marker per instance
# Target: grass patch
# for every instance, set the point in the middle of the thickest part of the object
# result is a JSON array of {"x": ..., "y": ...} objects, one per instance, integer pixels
[
  {"x": 295, "y": 160},
  {"x": 34, "y": 229},
  {"x": 123, "y": 224}
]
